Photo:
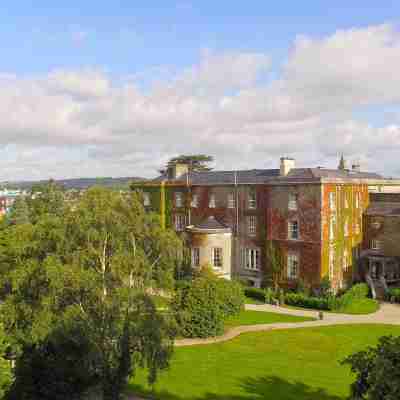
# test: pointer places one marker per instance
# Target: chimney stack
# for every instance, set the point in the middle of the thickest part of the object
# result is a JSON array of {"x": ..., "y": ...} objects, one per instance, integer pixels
[{"x": 286, "y": 165}]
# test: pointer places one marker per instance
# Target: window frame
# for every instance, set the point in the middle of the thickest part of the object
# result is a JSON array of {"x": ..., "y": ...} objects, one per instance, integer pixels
[
  {"x": 146, "y": 199},
  {"x": 292, "y": 260},
  {"x": 332, "y": 201},
  {"x": 376, "y": 244},
  {"x": 195, "y": 256},
  {"x": 290, "y": 230},
  {"x": 214, "y": 257},
  {"x": 231, "y": 203},
  {"x": 251, "y": 221},
  {"x": 179, "y": 222},
  {"x": 211, "y": 200},
  {"x": 251, "y": 258},
  {"x": 252, "y": 199},
  {"x": 194, "y": 203},
  {"x": 178, "y": 199},
  {"x": 293, "y": 202}
]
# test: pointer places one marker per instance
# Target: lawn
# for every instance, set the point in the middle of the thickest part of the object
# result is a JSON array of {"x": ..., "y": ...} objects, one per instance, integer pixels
[
  {"x": 251, "y": 300},
  {"x": 249, "y": 317},
  {"x": 360, "y": 306},
  {"x": 300, "y": 364}
]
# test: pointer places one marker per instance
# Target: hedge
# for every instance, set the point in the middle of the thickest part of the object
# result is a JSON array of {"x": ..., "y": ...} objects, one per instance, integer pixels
[
  {"x": 394, "y": 295},
  {"x": 255, "y": 293},
  {"x": 301, "y": 300}
]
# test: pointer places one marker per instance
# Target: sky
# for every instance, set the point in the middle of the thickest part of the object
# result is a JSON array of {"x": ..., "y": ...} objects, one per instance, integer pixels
[{"x": 117, "y": 88}]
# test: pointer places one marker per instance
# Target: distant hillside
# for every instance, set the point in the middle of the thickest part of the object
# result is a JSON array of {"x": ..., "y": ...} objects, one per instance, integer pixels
[{"x": 78, "y": 183}]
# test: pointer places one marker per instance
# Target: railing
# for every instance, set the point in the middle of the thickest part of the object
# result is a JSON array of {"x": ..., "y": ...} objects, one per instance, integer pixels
[{"x": 371, "y": 284}]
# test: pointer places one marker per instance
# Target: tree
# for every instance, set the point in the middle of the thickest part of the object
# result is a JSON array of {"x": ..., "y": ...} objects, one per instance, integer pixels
[
  {"x": 19, "y": 213},
  {"x": 275, "y": 262},
  {"x": 377, "y": 371},
  {"x": 5, "y": 367},
  {"x": 92, "y": 266},
  {"x": 196, "y": 162}
]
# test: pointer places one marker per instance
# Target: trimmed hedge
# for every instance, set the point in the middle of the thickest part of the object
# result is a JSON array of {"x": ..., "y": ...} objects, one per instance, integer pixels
[
  {"x": 394, "y": 295},
  {"x": 201, "y": 308},
  {"x": 301, "y": 300},
  {"x": 255, "y": 293}
]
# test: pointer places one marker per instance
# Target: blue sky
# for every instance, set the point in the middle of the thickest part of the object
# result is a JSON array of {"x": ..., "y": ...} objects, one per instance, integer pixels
[{"x": 143, "y": 44}]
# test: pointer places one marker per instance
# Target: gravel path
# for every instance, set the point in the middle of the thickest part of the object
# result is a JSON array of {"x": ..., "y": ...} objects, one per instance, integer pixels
[{"x": 387, "y": 314}]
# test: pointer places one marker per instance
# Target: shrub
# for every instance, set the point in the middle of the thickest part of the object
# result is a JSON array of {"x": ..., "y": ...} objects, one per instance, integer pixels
[
  {"x": 301, "y": 300},
  {"x": 200, "y": 308},
  {"x": 269, "y": 295},
  {"x": 230, "y": 297},
  {"x": 356, "y": 292},
  {"x": 255, "y": 293},
  {"x": 394, "y": 295}
]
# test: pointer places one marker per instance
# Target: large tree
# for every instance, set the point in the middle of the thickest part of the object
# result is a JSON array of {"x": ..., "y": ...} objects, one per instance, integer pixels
[
  {"x": 92, "y": 266},
  {"x": 195, "y": 162}
]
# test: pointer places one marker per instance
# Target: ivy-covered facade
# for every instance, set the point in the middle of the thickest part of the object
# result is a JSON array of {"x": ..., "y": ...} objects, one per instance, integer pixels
[{"x": 312, "y": 217}]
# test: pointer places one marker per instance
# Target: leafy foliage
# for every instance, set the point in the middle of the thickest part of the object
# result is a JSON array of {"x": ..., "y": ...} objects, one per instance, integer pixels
[
  {"x": 255, "y": 293},
  {"x": 200, "y": 308},
  {"x": 394, "y": 295},
  {"x": 196, "y": 162},
  {"x": 5, "y": 367},
  {"x": 377, "y": 371},
  {"x": 301, "y": 300},
  {"x": 91, "y": 266}
]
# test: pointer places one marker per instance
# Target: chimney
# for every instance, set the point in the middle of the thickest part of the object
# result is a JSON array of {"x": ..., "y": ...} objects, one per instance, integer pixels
[
  {"x": 176, "y": 170},
  {"x": 356, "y": 167},
  {"x": 286, "y": 165}
]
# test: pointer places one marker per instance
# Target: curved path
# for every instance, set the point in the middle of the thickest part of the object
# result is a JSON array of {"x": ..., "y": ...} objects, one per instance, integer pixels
[{"x": 387, "y": 314}]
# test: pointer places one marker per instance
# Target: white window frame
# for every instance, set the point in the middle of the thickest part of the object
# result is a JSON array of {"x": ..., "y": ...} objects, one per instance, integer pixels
[
  {"x": 252, "y": 199},
  {"x": 251, "y": 225},
  {"x": 231, "y": 200},
  {"x": 178, "y": 199},
  {"x": 376, "y": 244},
  {"x": 217, "y": 255},
  {"x": 179, "y": 222},
  {"x": 331, "y": 263},
  {"x": 332, "y": 201},
  {"x": 251, "y": 258},
  {"x": 211, "y": 200},
  {"x": 195, "y": 200},
  {"x": 332, "y": 227},
  {"x": 195, "y": 255},
  {"x": 346, "y": 227},
  {"x": 291, "y": 225},
  {"x": 146, "y": 199},
  {"x": 293, "y": 266},
  {"x": 293, "y": 201}
]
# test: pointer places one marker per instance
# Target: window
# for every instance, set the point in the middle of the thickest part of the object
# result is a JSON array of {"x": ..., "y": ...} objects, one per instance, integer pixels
[
  {"x": 211, "y": 201},
  {"x": 376, "y": 244},
  {"x": 251, "y": 201},
  {"x": 346, "y": 201},
  {"x": 195, "y": 201},
  {"x": 251, "y": 225},
  {"x": 293, "y": 198},
  {"x": 178, "y": 199},
  {"x": 231, "y": 200},
  {"x": 251, "y": 259},
  {"x": 292, "y": 266},
  {"x": 346, "y": 228},
  {"x": 179, "y": 222},
  {"x": 331, "y": 263},
  {"x": 332, "y": 227},
  {"x": 357, "y": 199},
  {"x": 345, "y": 260},
  {"x": 195, "y": 257},
  {"x": 357, "y": 228},
  {"x": 293, "y": 230},
  {"x": 146, "y": 199},
  {"x": 332, "y": 201},
  {"x": 216, "y": 257}
]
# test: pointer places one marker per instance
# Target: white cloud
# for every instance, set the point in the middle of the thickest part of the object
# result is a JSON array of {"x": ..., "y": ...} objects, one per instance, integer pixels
[{"x": 72, "y": 123}]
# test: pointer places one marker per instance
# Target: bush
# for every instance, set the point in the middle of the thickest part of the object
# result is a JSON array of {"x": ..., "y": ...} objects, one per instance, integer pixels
[
  {"x": 357, "y": 292},
  {"x": 200, "y": 308},
  {"x": 255, "y": 293},
  {"x": 394, "y": 295},
  {"x": 301, "y": 300}
]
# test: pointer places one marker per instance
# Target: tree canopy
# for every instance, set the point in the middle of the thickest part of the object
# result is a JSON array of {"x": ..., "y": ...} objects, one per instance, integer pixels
[
  {"x": 90, "y": 266},
  {"x": 196, "y": 162}
]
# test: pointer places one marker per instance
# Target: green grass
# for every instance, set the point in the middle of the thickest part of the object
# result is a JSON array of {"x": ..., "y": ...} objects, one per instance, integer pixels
[
  {"x": 360, "y": 306},
  {"x": 160, "y": 301},
  {"x": 300, "y": 364},
  {"x": 249, "y": 317}
]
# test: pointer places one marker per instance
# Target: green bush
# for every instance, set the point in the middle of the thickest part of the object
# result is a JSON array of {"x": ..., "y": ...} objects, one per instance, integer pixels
[
  {"x": 394, "y": 295},
  {"x": 301, "y": 300},
  {"x": 356, "y": 292},
  {"x": 200, "y": 308},
  {"x": 255, "y": 293}
]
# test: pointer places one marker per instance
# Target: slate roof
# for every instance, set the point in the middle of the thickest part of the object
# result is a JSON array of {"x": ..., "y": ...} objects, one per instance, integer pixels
[
  {"x": 210, "y": 223},
  {"x": 384, "y": 209},
  {"x": 254, "y": 176}
]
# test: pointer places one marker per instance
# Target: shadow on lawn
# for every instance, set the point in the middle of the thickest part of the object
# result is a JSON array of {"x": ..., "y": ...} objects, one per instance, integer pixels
[{"x": 269, "y": 388}]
